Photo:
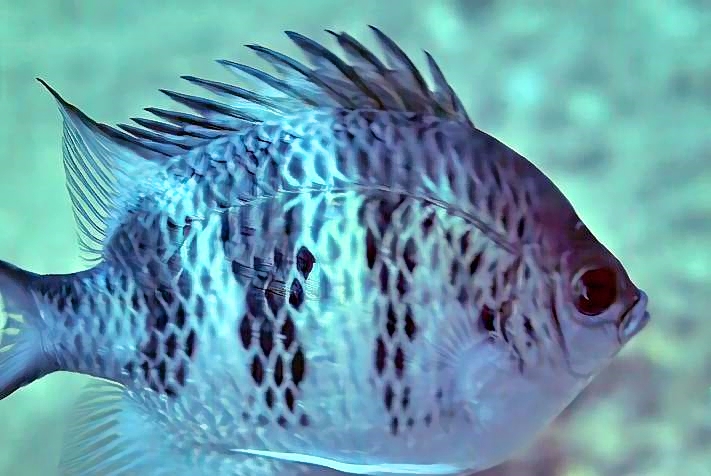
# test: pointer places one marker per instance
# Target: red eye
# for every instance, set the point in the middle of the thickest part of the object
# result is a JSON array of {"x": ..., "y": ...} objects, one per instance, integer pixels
[{"x": 596, "y": 290}]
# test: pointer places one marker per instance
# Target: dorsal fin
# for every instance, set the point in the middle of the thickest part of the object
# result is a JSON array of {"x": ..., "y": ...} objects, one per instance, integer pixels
[
  {"x": 102, "y": 165},
  {"x": 361, "y": 80}
]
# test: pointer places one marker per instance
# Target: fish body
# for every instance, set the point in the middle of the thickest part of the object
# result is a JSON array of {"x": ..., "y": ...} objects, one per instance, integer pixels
[{"x": 337, "y": 273}]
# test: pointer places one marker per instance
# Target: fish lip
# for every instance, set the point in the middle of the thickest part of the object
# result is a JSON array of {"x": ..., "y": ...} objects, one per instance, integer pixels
[{"x": 634, "y": 319}]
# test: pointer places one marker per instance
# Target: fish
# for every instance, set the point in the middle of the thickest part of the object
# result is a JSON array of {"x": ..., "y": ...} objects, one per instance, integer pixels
[{"x": 325, "y": 270}]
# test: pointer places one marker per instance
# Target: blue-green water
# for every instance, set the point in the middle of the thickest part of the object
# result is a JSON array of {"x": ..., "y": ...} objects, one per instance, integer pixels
[{"x": 611, "y": 99}]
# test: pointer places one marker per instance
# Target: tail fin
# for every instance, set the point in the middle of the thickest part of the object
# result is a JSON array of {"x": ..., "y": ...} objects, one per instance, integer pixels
[{"x": 22, "y": 357}]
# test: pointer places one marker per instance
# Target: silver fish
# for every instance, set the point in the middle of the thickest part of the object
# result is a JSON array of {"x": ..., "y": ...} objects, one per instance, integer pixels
[{"x": 333, "y": 272}]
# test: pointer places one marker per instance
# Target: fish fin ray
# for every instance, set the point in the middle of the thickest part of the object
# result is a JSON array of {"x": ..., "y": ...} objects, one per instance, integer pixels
[
  {"x": 101, "y": 164},
  {"x": 358, "y": 80},
  {"x": 449, "y": 345},
  {"x": 22, "y": 356},
  {"x": 96, "y": 440},
  {"x": 111, "y": 434}
]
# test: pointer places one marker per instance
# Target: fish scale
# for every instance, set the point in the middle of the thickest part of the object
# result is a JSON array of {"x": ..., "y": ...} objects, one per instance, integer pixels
[{"x": 335, "y": 272}]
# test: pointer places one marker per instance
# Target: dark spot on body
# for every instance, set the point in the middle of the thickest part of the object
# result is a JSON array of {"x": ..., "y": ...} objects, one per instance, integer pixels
[
  {"x": 392, "y": 321},
  {"x": 409, "y": 255},
  {"x": 380, "y": 355},
  {"x": 474, "y": 264},
  {"x": 245, "y": 331},
  {"x": 428, "y": 223},
  {"x": 305, "y": 261},
  {"x": 171, "y": 345},
  {"x": 162, "y": 371},
  {"x": 257, "y": 370},
  {"x": 454, "y": 273},
  {"x": 528, "y": 327},
  {"x": 464, "y": 242},
  {"x": 401, "y": 285},
  {"x": 266, "y": 337},
  {"x": 269, "y": 398},
  {"x": 279, "y": 371},
  {"x": 110, "y": 287},
  {"x": 383, "y": 278},
  {"x": 405, "y": 398},
  {"x": 389, "y": 396},
  {"x": 288, "y": 332},
  {"x": 150, "y": 350},
  {"x": 505, "y": 218},
  {"x": 191, "y": 344},
  {"x": 289, "y": 399},
  {"x": 180, "y": 374},
  {"x": 490, "y": 204},
  {"x": 520, "y": 228},
  {"x": 281, "y": 421},
  {"x": 298, "y": 367},
  {"x": 410, "y": 326},
  {"x": 399, "y": 362},
  {"x": 496, "y": 176},
  {"x": 394, "y": 425},
  {"x": 225, "y": 232},
  {"x": 296, "y": 294},
  {"x": 180, "y": 315},
  {"x": 487, "y": 318},
  {"x": 428, "y": 419},
  {"x": 199, "y": 309},
  {"x": 371, "y": 249}
]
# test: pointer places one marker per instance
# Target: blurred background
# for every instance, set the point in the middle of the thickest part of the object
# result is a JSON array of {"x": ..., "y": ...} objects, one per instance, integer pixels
[{"x": 611, "y": 99}]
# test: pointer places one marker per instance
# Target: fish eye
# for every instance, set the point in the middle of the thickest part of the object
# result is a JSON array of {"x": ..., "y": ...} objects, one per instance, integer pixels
[{"x": 595, "y": 291}]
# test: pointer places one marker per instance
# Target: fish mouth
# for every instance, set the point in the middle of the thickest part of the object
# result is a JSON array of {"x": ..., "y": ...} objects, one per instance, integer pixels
[{"x": 634, "y": 319}]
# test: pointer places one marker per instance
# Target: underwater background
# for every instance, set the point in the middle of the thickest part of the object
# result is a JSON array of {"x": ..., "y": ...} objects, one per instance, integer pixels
[{"x": 611, "y": 99}]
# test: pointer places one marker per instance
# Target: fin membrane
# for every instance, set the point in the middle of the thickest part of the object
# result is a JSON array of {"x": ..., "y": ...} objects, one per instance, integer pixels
[
  {"x": 359, "y": 79},
  {"x": 101, "y": 164},
  {"x": 110, "y": 433}
]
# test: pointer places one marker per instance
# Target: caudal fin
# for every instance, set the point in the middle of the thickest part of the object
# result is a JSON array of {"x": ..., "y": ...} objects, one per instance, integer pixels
[{"x": 22, "y": 358}]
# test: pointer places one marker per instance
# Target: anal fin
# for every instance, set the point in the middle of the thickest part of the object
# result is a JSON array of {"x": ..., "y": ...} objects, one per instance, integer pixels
[{"x": 111, "y": 434}]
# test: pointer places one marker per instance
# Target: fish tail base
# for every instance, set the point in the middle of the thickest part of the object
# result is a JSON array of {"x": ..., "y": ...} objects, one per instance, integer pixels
[{"x": 22, "y": 357}]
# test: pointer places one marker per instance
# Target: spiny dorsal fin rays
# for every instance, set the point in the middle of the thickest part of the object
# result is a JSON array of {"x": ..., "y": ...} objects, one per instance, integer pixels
[
  {"x": 163, "y": 142},
  {"x": 186, "y": 137},
  {"x": 400, "y": 62},
  {"x": 322, "y": 56},
  {"x": 375, "y": 73},
  {"x": 307, "y": 94},
  {"x": 361, "y": 80},
  {"x": 285, "y": 63},
  {"x": 222, "y": 114},
  {"x": 443, "y": 91},
  {"x": 101, "y": 164},
  {"x": 361, "y": 56},
  {"x": 231, "y": 91},
  {"x": 187, "y": 122}
]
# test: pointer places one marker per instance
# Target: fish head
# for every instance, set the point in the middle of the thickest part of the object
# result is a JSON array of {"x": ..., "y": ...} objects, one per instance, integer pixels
[{"x": 598, "y": 307}]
